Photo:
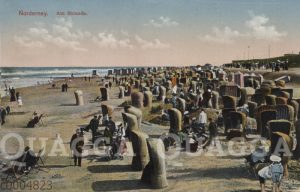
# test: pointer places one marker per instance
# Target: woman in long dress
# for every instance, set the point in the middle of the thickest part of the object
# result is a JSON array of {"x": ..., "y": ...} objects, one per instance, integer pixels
[{"x": 20, "y": 102}]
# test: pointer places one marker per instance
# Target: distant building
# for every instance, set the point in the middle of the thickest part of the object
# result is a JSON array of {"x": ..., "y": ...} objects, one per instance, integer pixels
[{"x": 293, "y": 61}]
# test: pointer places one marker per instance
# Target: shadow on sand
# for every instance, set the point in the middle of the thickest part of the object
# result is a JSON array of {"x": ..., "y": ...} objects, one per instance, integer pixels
[
  {"x": 96, "y": 158},
  {"x": 18, "y": 113},
  {"x": 216, "y": 173},
  {"x": 109, "y": 168},
  {"x": 247, "y": 190},
  {"x": 118, "y": 185},
  {"x": 55, "y": 166},
  {"x": 68, "y": 104},
  {"x": 91, "y": 115},
  {"x": 155, "y": 136}
]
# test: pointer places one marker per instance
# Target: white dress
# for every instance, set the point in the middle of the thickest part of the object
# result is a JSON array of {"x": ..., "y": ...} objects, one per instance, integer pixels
[
  {"x": 20, "y": 102},
  {"x": 265, "y": 172},
  {"x": 202, "y": 118}
]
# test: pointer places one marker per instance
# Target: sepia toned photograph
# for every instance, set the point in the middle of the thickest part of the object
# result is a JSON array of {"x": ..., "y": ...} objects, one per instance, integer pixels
[{"x": 149, "y": 95}]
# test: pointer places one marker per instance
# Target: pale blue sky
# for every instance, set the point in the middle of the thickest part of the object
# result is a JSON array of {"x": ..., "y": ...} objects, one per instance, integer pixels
[{"x": 171, "y": 31}]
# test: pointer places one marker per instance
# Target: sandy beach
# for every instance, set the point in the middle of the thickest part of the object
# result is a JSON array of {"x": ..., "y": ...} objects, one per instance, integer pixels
[{"x": 205, "y": 172}]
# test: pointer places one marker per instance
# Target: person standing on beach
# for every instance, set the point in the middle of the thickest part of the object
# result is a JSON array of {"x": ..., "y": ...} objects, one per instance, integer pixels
[
  {"x": 94, "y": 123},
  {"x": 18, "y": 95},
  {"x": 220, "y": 120},
  {"x": 111, "y": 125},
  {"x": 66, "y": 87},
  {"x": 213, "y": 131},
  {"x": 63, "y": 87},
  {"x": 202, "y": 119},
  {"x": 20, "y": 102},
  {"x": 76, "y": 145},
  {"x": 7, "y": 109},
  {"x": 3, "y": 114},
  {"x": 12, "y": 92},
  {"x": 274, "y": 172},
  {"x": 207, "y": 96}
]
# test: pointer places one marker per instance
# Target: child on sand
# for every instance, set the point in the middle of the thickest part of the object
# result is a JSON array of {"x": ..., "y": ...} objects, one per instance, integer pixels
[
  {"x": 274, "y": 172},
  {"x": 20, "y": 102}
]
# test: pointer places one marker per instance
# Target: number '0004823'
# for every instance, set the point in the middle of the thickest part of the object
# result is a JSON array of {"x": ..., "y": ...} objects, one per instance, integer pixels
[{"x": 30, "y": 185}]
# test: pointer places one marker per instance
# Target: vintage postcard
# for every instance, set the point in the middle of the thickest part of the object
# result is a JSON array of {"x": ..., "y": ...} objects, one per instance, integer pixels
[{"x": 150, "y": 95}]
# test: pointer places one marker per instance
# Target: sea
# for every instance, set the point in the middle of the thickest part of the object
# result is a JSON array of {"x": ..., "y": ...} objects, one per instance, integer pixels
[{"x": 18, "y": 77}]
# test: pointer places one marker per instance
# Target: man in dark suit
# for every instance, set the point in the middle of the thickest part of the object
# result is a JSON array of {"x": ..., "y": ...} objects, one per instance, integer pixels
[
  {"x": 94, "y": 123},
  {"x": 76, "y": 145},
  {"x": 12, "y": 94},
  {"x": 3, "y": 114}
]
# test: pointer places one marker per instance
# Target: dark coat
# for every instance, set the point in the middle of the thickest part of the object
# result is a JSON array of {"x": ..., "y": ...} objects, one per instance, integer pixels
[
  {"x": 94, "y": 123},
  {"x": 212, "y": 128},
  {"x": 77, "y": 142},
  {"x": 12, "y": 94}
]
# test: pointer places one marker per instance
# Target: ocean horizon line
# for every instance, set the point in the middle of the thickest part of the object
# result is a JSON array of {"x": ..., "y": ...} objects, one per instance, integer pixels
[{"x": 142, "y": 66}]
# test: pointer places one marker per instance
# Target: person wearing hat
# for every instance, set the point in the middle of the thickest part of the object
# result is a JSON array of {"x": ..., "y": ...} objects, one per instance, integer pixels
[
  {"x": 93, "y": 125},
  {"x": 122, "y": 142},
  {"x": 35, "y": 120},
  {"x": 186, "y": 118},
  {"x": 277, "y": 172},
  {"x": 273, "y": 171},
  {"x": 258, "y": 155},
  {"x": 207, "y": 95},
  {"x": 111, "y": 125},
  {"x": 76, "y": 146}
]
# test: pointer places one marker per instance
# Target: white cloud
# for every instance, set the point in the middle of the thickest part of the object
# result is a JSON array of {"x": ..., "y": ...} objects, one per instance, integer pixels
[
  {"x": 125, "y": 33},
  {"x": 258, "y": 24},
  {"x": 66, "y": 22},
  {"x": 110, "y": 41},
  {"x": 223, "y": 36},
  {"x": 64, "y": 27},
  {"x": 39, "y": 33},
  {"x": 75, "y": 45},
  {"x": 155, "y": 44},
  {"x": 27, "y": 42},
  {"x": 259, "y": 29},
  {"x": 162, "y": 22},
  {"x": 61, "y": 35}
]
